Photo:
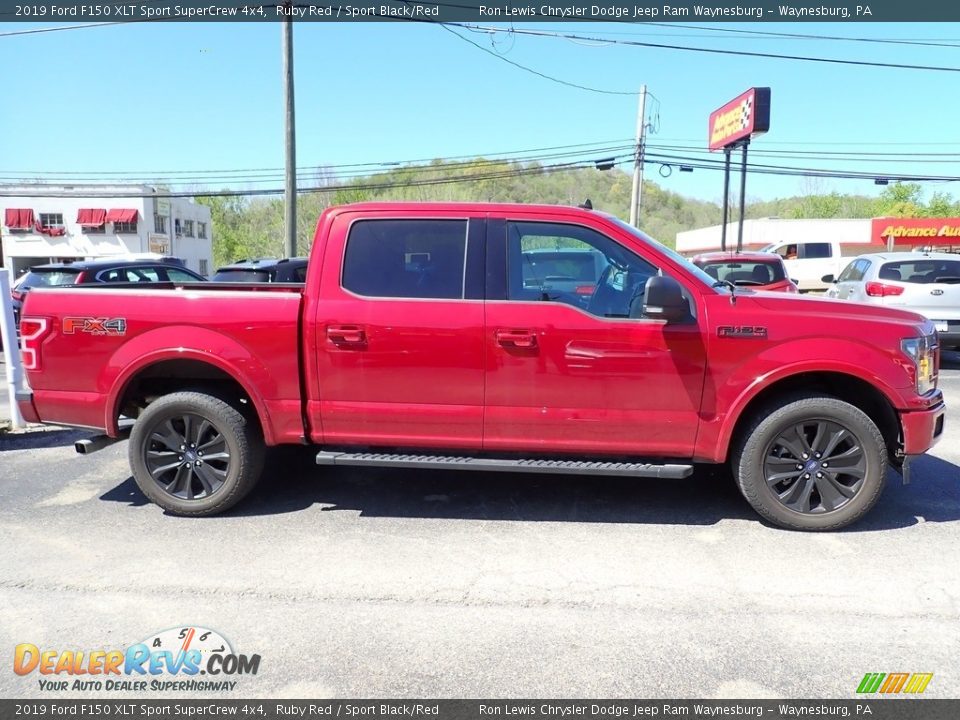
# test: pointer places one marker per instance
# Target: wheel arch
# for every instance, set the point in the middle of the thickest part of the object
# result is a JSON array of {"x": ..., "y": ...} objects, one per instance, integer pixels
[
  {"x": 164, "y": 372},
  {"x": 848, "y": 387}
]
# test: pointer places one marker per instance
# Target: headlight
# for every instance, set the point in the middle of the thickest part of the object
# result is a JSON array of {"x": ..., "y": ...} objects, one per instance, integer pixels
[{"x": 923, "y": 352}]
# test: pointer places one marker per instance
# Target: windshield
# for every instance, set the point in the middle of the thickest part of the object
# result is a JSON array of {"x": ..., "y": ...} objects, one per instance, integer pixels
[
  {"x": 49, "y": 278},
  {"x": 744, "y": 272},
  {"x": 671, "y": 253},
  {"x": 240, "y": 275}
]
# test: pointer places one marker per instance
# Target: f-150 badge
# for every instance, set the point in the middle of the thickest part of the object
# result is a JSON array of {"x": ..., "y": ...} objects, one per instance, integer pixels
[{"x": 742, "y": 331}]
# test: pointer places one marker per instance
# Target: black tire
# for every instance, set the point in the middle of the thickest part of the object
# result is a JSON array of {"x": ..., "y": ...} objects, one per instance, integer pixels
[
  {"x": 193, "y": 454},
  {"x": 811, "y": 492}
]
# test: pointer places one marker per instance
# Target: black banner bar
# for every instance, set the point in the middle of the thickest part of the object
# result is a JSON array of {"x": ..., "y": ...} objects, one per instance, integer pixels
[
  {"x": 494, "y": 11},
  {"x": 92, "y": 709}
]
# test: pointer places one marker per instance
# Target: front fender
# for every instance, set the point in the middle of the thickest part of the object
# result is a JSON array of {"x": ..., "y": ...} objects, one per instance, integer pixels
[
  {"x": 207, "y": 346},
  {"x": 853, "y": 358}
]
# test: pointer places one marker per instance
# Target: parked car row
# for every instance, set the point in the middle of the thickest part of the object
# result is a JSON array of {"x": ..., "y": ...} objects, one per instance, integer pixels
[
  {"x": 924, "y": 283},
  {"x": 139, "y": 269}
]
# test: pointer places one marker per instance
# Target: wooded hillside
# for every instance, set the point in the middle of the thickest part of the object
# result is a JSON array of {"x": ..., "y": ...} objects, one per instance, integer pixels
[{"x": 246, "y": 228}]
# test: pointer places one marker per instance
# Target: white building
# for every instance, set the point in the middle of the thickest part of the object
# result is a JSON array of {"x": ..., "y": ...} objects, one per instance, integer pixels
[
  {"x": 766, "y": 231},
  {"x": 52, "y": 223}
]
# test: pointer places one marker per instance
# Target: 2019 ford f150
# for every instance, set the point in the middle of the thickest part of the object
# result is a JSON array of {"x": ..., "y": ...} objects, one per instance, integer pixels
[{"x": 423, "y": 337}]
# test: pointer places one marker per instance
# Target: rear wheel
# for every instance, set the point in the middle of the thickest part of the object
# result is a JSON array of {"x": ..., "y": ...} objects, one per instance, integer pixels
[
  {"x": 194, "y": 454},
  {"x": 815, "y": 463}
]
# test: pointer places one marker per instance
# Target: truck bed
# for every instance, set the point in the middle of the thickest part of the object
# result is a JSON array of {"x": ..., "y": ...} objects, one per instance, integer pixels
[{"x": 102, "y": 337}]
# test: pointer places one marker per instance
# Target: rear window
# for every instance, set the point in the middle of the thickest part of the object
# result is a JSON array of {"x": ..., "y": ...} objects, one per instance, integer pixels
[
  {"x": 247, "y": 276},
  {"x": 49, "y": 278},
  {"x": 745, "y": 273},
  {"x": 922, "y": 271}
]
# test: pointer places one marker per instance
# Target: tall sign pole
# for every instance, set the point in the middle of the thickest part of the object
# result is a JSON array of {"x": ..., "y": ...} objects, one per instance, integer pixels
[
  {"x": 733, "y": 125},
  {"x": 290, "y": 191},
  {"x": 638, "y": 160}
]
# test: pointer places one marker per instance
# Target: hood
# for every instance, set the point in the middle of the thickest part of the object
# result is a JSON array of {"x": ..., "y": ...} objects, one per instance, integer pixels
[{"x": 839, "y": 310}]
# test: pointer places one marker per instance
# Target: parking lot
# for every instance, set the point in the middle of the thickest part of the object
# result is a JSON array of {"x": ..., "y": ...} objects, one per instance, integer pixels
[{"x": 385, "y": 583}]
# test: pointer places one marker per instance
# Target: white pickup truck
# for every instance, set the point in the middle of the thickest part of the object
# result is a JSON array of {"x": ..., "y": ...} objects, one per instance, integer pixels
[{"x": 808, "y": 262}]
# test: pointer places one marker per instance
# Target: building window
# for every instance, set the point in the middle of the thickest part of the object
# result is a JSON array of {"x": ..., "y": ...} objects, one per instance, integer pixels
[
  {"x": 51, "y": 220},
  {"x": 125, "y": 227},
  {"x": 176, "y": 228},
  {"x": 160, "y": 224},
  {"x": 203, "y": 263},
  {"x": 202, "y": 230},
  {"x": 93, "y": 229},
  {"x": 188, "y": 228}
]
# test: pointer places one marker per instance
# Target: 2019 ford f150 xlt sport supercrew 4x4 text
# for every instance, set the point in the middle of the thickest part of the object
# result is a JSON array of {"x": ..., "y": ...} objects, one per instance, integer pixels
[{"x": 423, "y": 337}]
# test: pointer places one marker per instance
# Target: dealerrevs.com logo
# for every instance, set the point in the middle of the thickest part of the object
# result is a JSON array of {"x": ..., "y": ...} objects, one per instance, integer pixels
[{"x": 187, "y": 659}]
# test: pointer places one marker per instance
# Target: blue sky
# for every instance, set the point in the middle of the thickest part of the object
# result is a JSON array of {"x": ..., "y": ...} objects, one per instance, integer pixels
[{"x": 187, "y": 97}]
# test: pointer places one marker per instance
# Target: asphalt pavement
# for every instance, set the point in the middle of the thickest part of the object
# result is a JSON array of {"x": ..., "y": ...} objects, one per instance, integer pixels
[{"x": 386, "y": 583}]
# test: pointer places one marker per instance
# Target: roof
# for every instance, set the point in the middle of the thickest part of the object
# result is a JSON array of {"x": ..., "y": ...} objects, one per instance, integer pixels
[
  {"x": 908, "y": 255},
  {"x": 421, "y": 207},
  {"x": 733, "y": 256},
  {"x": 100, "y": 263},
  {"x": 261, "y": 263}
]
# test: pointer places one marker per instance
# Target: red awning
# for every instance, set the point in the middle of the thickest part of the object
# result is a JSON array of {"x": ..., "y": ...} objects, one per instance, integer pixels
[
  {"x": 91, "y": 217},
  {"x": 18, "y": 219},
  {"x": 124, "y": 216}
]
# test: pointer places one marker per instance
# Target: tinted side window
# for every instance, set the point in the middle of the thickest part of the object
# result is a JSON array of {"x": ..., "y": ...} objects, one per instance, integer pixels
[
  {"x": 577, "y": 266},
  {"x": 179, "y": 275},
  {"x": 854, "y": 271},
  {"x": 815, "y": 250},
  {"x": 406, "y": 258}
]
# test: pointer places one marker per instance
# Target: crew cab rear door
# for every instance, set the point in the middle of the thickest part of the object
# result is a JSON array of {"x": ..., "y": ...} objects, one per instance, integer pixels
[
  {"x": 580, "y": 370},
  {"x": 399, "y": 331}
]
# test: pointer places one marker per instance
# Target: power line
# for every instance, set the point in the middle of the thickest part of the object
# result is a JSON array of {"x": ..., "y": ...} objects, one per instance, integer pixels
[
  {"x": 504, "y": 174},
  {"x": 312, "y": 173},
  {"x": 714, "y": 51},
  {"x": 507, "y": 60},
  {"x": 761, "y": 34}
]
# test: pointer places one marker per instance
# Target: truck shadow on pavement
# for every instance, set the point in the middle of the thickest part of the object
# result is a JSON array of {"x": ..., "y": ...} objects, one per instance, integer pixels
[
  {"x": 35, "y": 439},
  {"x": 293, "y": 483}
]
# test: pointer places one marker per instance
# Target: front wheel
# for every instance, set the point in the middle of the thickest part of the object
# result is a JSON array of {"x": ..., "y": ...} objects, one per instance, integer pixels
[
  {"x": 194, "y": 454},
  {"x": 815, "y": 463}
]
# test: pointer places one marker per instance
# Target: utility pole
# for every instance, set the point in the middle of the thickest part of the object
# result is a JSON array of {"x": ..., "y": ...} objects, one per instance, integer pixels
[
  {"x": 638, "y": 160},
  {"x": 290, "y": 193}
]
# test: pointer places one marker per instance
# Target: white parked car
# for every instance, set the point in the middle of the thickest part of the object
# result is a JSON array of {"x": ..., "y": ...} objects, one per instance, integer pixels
[{"x": 924, "y": 283}]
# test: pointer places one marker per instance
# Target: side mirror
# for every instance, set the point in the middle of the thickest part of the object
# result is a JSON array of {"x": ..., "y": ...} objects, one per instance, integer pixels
[
  {"x": 664, "y": 300},
  {"x": 828, "y": 279}
]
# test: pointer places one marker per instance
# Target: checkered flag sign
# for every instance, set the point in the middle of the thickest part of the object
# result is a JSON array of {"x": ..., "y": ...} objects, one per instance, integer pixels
[{"x": 746, "y": 107}]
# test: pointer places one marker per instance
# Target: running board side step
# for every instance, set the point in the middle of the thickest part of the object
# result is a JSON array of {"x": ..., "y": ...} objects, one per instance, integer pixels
[{"x": 452, "y": 462}]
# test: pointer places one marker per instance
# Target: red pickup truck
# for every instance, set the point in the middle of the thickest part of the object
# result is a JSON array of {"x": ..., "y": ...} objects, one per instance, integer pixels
[{"x": 496, "y": 338}]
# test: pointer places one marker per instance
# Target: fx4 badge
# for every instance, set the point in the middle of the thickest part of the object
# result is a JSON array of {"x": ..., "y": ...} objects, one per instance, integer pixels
[
  {"x": 95, "y": 326},
  {"x": 742, "y": 331}
]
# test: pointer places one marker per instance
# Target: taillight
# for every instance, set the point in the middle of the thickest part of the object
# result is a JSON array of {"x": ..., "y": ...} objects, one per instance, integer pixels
[
  {"x": 878, "y": 289},
  {"x": 16, "y": 295},
  {"x": 32, "y": 332},
  {"x": 585, "y": 289}
]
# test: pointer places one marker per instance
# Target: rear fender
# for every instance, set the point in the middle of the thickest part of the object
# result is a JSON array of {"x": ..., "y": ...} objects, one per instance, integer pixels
[{"x": 166, "y": 343}]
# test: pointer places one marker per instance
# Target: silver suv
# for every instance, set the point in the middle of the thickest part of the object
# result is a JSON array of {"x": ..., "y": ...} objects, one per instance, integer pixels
[{"x": 924, "y": 283}]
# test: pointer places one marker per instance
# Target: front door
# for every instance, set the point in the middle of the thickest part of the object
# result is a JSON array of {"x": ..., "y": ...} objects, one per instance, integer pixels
[{"x": 572, "y": 365}]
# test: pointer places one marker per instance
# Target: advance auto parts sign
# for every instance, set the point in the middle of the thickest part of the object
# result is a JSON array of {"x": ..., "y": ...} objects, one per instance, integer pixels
[
  {"x": 743, "y": 117},
  {"x": 916, "y": 231}
]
